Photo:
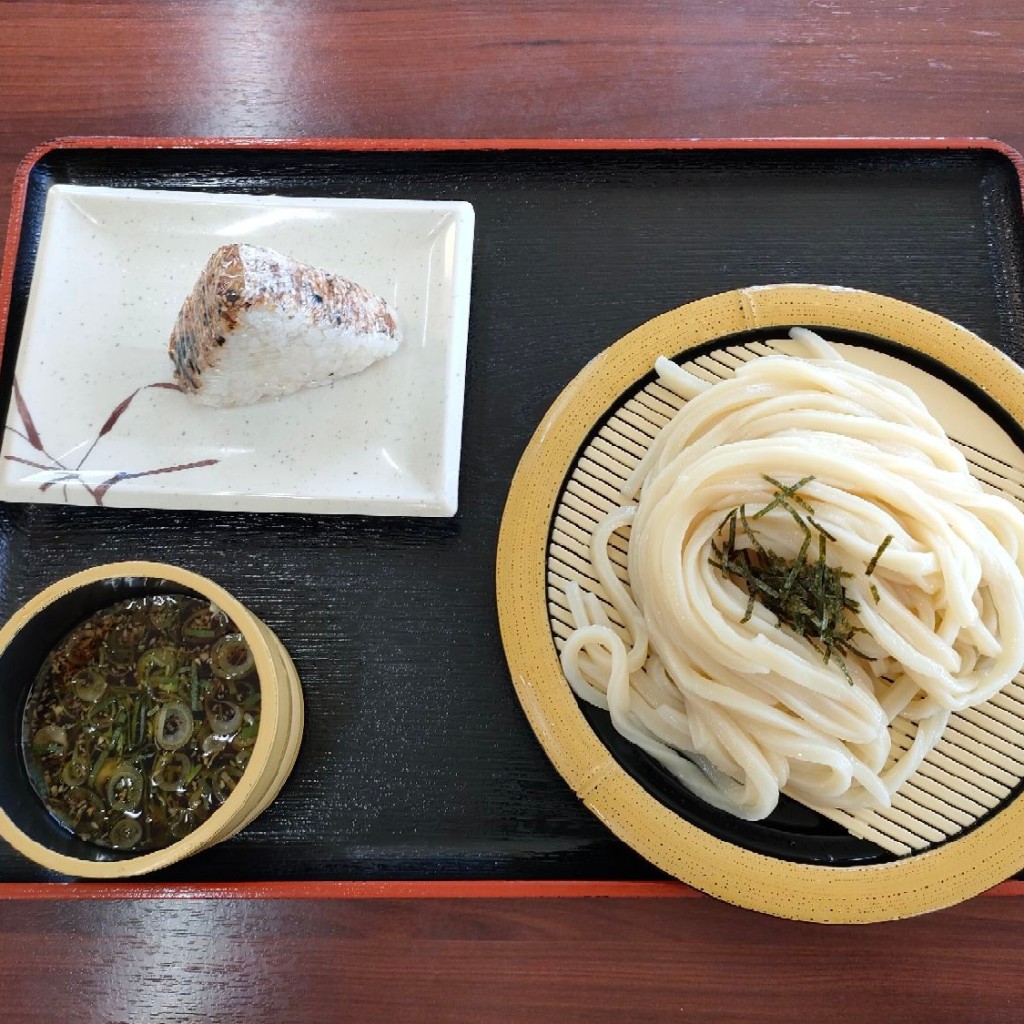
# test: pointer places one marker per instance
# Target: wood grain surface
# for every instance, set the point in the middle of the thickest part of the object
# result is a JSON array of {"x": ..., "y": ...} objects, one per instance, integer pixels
[
  {"x": 675, "y": 68},
  {"x": 594, "y": 960}
]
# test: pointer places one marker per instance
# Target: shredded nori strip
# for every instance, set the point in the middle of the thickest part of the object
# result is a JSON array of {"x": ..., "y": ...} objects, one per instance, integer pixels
[
  {"x": 878, "y": 554},
  {"x": 806, "y": 596}
]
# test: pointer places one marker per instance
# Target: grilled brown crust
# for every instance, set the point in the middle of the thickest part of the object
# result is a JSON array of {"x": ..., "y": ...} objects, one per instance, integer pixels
[{"x": 240, "y": 277}]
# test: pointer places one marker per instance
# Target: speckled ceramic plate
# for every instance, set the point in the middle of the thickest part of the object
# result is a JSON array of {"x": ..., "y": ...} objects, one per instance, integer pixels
[
  {"x": 92, "y": 424},
  {"x": 957, "y": 826}
]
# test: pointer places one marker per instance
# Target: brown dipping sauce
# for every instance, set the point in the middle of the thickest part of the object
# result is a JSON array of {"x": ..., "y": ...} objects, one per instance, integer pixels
[{"x": 141, "y": 721}]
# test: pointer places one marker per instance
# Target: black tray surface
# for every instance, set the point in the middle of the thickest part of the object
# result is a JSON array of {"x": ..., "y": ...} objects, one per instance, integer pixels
[{"x": 417, "y": 761}]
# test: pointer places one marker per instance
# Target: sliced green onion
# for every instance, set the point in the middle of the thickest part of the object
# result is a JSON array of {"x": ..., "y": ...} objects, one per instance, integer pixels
[
  {"x": 165, "y": 615},
  {"x": 102, "y": 705},
  {"x": 85, "y": 810},
  {"x": 212, "y": 746},
  {"x": 143, "y": 721},
  {"x": 204, "y": 625},
  {"x": 125, "y": 834},
  {"x": 75, "y": 773},
  {"x": 157, "y": 668},
  {"x": 122, "y": 642},
  {"x": 247, "y": 735},
  {"x": 171, "y": 772},
  {"x": 223, "y": 716},
  {"x": 124, "y": 789},
  {"x": 231, "y": 657},
  {"x": 51, "y": 739},
  {"x": 89, "y": 685},
  {"x": 174, "y": 726}
]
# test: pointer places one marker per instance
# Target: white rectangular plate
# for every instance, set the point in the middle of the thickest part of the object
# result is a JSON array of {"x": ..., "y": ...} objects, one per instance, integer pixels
[{"x": 113, "y": 268}]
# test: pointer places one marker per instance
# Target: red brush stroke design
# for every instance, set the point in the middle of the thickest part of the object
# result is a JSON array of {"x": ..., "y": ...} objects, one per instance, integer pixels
[
  {"x": 112, "y": 419},
  {"x": 66, "y": 474},
  {"x": 31, "y": 434},
  {"x": 26, "y": 462},
  {"x": 98, "y": 492}
]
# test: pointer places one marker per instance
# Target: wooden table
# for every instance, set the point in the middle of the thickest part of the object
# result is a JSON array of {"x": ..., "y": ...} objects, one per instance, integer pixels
[{"x": 654, "y": 68}]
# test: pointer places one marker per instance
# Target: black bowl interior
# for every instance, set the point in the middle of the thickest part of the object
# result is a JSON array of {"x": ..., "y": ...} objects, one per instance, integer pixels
[
  {"x": 791, "y": 832},
  {"x": 19, "y": 663}
]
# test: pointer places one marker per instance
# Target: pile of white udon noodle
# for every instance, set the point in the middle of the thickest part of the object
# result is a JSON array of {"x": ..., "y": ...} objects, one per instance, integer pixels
[{"x": 741, "y": 711}]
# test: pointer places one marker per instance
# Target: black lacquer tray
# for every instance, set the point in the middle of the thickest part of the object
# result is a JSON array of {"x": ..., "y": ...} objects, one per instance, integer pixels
[{"x": 417, "y": 761}]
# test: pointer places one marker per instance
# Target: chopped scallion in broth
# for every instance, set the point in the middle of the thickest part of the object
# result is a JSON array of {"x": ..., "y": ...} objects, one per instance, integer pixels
[{"x": 141, "y": 721}]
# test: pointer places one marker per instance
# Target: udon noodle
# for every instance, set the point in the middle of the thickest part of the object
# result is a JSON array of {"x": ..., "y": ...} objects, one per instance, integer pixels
[{"x": 697, "y": 670}]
